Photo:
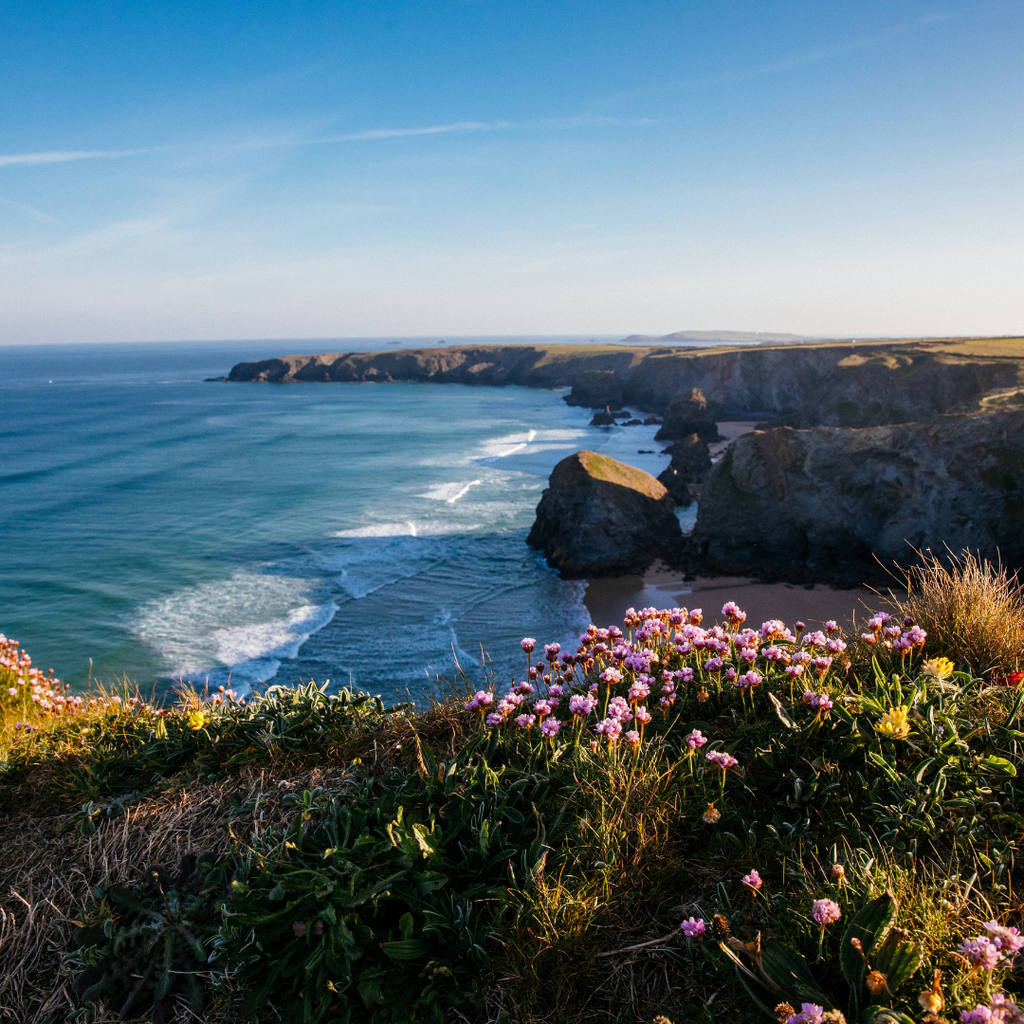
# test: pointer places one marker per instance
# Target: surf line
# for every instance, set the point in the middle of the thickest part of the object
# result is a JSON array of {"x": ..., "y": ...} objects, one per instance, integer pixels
[{"x": 455, "y": 497}]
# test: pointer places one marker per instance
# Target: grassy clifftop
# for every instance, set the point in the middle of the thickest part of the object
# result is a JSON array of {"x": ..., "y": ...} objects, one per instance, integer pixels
[
  {"x": 673, "y": 819},
  {"x": 837, "y": 384}
]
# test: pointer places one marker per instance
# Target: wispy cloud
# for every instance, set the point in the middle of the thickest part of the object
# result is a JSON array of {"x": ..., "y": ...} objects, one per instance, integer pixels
[
  {"x": 63, "y": 156},
  {"x": 31, "y": 211},
  {"x": 366, "y": 135}
]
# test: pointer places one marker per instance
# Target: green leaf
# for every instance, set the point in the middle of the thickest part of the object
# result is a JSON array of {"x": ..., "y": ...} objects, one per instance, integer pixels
[
  {"x": 787, "y": 969},
  {"x": 897, "y": 958},
  {"x": 406, "y": 949},
  {"x": 868, "y": 925},
  {"x": 998, "y": 765}
]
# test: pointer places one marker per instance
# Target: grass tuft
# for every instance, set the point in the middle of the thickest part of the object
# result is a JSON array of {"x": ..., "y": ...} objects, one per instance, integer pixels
[{"x": 972, "y": 609}]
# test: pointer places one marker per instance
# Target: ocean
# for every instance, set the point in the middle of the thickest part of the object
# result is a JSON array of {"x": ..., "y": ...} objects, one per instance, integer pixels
[{"x": 159, "y": 527}]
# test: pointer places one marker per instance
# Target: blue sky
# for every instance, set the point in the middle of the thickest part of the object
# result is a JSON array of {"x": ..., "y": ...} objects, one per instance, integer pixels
[{"x": 304, "y": 169}]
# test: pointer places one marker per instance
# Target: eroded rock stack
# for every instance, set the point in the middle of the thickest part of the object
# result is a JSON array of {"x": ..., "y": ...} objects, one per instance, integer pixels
[
  {"x": 600, "y": 517},
  {"x": 688, "y": 414},
  {"x": 691, "y": 460}
]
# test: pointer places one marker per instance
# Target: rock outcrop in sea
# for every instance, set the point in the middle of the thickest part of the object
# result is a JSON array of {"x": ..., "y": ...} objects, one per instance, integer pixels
[
  {"x": 691, "y": 460},
  {"x": 600, "y": 517},
  {"x": 685, "y": 415},
  {"x": 827, "y": 501}
]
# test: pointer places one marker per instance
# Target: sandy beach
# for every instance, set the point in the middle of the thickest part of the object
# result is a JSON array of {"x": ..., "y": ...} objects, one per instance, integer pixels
[{"x": 608, "y": 599}]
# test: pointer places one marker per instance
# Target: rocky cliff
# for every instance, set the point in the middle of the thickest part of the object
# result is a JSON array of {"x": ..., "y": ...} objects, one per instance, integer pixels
[
  {"x": 823, "y": 502},
  {"x": 807, "y": 385},
  {"x": 600, "y": 517}
]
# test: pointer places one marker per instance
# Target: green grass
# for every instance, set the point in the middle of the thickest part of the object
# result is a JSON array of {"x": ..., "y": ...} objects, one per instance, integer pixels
[{"x": 366, "y": 863}]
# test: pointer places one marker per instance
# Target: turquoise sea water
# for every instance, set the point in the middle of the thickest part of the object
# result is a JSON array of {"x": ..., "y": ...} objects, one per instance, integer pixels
[{"x": 164, "y": 527}]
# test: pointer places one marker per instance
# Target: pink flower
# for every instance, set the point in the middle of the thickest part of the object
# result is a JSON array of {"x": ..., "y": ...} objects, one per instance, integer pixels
[
  {"x": 713, "y": 664},
  {"x": 693, "y": 927},
  {"x": 555, "y": 690},
  {"x": 549, "y": 727},
  {"x": 481, "y": 699},
  {"x": 528, "y": 644},
  {"x": 638, "y": 691},
  {"x": 1008, "y": 940},
  {"x": 495, "y": 719},
  {"x": 696, "y": 739},
  {"x": 748, "y": 680},
  {"x": 542, "y": 707},
  {"x": 980, "y": 952},
  {"x": 825, "y": 912},
  {"x": 810, "y": 1013},
  {"x": 609, "y": 727},
  {"x": 299, "y": 929},
  {"x": 525, "y": 721},
  {"x": 551, "y": 652},
  {"x": 582, "y": 705},
  {"x": 643, "y": 716},
  {"x": 633, "y": 737},
  {"x": 731, "y": 611},
  {"x": 721, "y": 758},
  {"x": 619, "y": 709},
  {"x": 611, "y": 676},
  {"x": 753, "y": 881}
]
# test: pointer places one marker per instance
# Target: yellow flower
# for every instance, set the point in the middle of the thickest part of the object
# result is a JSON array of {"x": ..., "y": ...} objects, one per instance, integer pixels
[
  {"x": 197, "y": 719},
  {"x": 938, "y": 668},
  {"x": 894, "y": 724}
]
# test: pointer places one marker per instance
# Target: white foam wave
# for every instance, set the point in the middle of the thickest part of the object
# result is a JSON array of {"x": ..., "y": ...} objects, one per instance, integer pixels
[
  {"x": 515, "y": 444},
  {"x": 404, "y": 529},
  {"x": 244, "y": 625},
  {"x": 449, "y": 493}
]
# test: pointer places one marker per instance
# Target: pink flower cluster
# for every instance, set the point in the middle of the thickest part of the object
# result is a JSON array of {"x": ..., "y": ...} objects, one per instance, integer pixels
[
  {"x": 988, "y": 951},
  {"x": 1002, "y": 1010},
  {"x": 883, "y": 630},
  {"x": 825, "y": 912}
]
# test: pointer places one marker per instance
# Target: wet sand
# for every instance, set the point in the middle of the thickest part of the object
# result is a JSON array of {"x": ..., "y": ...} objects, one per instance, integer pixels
[{"x": 608, "y": 599}]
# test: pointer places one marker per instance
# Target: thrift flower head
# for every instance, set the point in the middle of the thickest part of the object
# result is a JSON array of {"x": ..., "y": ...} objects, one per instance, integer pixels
[
  {"x": 711, "y": 815},
  {"x": 693, "y": 927},
  {"x": 809, "y": 1013},
  {"x": 611, "y": 676},
  {"x": 981, "y": 952},
  {"x": 1008, "y": 940},
  {"x": 528, "y": 644},
  {"x": 894, "y": 724},
  {"x": 582, "y": 705},
  {"x": 753, "y": 881},
  {"x": 481, "y": 699},
  {"x": 633, "y": 737},
  {"x": 525, "y": 721},
  {"x": 826, "y": 912},
  {"x": 609, "y": 728},
  {"x": 696, "y": 739},
  {"x": 937, "y": 668},
  {"x": 731, "y": 611},
  {"x": 549, "y": 727},
  {"x": 643, "y": 716},
  {"x": 748, "y": 680},
  {"x": 721, "y": 758},
  {"x": 618, "y": 708}
]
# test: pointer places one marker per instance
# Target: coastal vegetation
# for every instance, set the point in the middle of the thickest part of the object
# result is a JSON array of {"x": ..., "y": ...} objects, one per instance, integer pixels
[{"x": 672, "y": 819}]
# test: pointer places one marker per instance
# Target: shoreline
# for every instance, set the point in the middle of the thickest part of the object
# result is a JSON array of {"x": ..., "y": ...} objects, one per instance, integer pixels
[{"x": 607, "y": 599}]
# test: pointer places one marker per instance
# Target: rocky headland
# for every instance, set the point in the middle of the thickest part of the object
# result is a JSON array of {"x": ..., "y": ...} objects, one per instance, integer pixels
[
  {"x": 866, "y": 450},
  {"x": 600, "y": 517}
]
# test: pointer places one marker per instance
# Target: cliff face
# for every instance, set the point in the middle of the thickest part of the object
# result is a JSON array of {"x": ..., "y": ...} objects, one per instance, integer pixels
[
  {"x": 807, "y": 385},
  {"x": 824, "y": 500}
]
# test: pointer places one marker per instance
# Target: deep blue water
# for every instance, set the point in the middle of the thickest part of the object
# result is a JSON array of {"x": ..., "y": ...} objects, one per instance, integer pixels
[{"x": 166, "y": 527}]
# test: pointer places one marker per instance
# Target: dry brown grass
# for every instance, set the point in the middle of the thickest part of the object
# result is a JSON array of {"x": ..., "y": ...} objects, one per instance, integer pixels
[
  {"x": 972, "y": 609},
  {"x": 49, "y": 869}
]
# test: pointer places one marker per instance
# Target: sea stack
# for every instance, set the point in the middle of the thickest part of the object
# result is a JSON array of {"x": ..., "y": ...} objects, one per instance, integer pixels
[{"x": 600, "y": 517}]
